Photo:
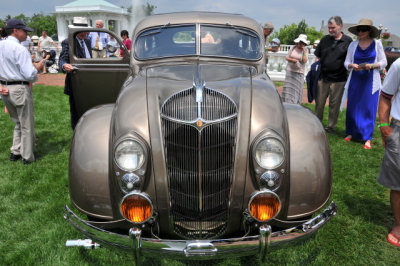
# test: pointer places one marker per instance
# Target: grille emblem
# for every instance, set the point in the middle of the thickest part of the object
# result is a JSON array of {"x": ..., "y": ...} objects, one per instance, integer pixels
[{"x": 199, "y": 124}]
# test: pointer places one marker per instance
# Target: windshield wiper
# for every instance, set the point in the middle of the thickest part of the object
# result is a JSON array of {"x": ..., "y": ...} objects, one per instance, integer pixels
[
  {"x": 244, "y": 32},
  {"x": 156, "y": 31}
]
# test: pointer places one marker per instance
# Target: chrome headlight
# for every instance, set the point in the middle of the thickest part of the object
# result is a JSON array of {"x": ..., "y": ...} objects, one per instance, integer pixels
[
  {"x": 269, "y": 153},
  {"x": 129, "y": 155}
]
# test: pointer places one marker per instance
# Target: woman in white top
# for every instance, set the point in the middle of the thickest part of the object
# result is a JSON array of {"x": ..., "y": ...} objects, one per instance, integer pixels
[
  {"x": 294, "y": 81},
  {"x": 365, "y": 57}
]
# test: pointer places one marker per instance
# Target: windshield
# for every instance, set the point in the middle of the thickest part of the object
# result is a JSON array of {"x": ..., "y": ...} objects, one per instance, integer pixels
[
  {"x": 225, "y": 41},
  {"x": 166, "y": 41},
  {"x": 229, "y": 41}
]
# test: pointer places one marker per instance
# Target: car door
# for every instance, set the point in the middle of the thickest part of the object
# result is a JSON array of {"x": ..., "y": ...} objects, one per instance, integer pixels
[{"x": 96, "y": 81}]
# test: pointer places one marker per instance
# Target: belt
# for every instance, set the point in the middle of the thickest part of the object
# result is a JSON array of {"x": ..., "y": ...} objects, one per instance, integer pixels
[
  {"x": 395, "y": 122},
  {"x": 14, "y": 82}
]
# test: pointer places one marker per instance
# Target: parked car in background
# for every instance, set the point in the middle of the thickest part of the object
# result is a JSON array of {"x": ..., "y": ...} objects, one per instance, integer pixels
[
  {"x": 392, "y": 49},
  {"x": 196, "y": 157},
  {"x": 392, "y": 54}
]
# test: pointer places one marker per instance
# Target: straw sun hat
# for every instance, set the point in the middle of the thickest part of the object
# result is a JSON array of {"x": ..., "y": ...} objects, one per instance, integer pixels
[
  {"x": 302, "y": 38},
  {"x": 365, "y": 22}
]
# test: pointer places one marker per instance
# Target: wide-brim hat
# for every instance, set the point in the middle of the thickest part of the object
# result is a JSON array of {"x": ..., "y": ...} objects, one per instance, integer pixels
[
  {"x": 17, "y": 24},
  {"x": 365, "y": 22},
  {"x": 302, "y": 38}
]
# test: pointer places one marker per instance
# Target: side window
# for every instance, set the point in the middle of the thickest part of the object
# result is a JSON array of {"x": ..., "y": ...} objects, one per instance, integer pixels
[{"x": 97, "y": 45}]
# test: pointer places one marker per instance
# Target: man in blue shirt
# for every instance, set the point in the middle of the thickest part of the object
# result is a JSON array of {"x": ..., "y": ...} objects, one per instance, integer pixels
[{"x": 99, "y": 41}]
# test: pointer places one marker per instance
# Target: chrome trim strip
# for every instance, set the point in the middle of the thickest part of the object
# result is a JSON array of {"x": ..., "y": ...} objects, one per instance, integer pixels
[
  {"x": 102, "y": 65},
  {"x": 193, "y": 87},
  {"x": 193, "y": 122},
  {"x": 242, "y": 246}
]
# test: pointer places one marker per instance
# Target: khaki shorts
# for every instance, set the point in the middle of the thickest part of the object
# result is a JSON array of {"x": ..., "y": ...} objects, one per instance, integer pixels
[{"x": 389, "y": 175}]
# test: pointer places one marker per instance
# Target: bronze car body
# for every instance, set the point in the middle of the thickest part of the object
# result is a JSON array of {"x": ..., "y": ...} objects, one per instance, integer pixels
[{"x": 198, "y": 156}]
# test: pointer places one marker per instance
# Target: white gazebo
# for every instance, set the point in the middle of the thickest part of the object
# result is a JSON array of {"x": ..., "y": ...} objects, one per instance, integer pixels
[{"x": 115, "y": 18}]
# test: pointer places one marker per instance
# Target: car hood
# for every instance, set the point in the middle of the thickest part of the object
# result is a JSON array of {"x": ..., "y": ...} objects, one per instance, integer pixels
[
  {"x": 165, "y": 81},
  {"x": 140, "y": 102}
]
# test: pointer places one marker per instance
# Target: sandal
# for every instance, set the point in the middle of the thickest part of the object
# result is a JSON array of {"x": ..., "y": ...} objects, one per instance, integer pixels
[
  {"x": 348, "y": 138},
  {"x": 367, "y": 145},
  {"x": 392, "y": 239}
]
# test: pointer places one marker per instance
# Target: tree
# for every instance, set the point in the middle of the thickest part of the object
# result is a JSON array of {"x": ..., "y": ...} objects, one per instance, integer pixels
[
  {"x": 289, "y": 33},
  {"x": 147, "y": 8},
  {"x": 23, "y": 18},
  {"x": 39, "y": 23}
]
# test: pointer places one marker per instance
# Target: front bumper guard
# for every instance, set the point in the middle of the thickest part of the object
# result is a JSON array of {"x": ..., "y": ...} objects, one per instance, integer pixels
[{"x": 202, "y": 249}]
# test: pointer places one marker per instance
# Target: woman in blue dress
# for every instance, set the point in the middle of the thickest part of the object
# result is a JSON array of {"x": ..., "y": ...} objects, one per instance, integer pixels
[{"x": 365, "y": 58}]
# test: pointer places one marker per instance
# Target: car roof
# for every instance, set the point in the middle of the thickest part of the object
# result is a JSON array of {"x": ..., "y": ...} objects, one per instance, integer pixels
[{"x": 198, "y": 17}]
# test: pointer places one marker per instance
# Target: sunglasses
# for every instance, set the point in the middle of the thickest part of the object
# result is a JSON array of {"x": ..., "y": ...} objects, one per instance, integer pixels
[{"x": 363, "y": 29}]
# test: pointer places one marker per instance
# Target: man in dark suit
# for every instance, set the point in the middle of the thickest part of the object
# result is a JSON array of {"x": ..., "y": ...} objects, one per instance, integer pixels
[{"x": 82, "y": 49}]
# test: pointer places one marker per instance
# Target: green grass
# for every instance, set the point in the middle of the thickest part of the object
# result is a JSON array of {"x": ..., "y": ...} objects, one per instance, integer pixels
[{"x": 33, "y": 231}]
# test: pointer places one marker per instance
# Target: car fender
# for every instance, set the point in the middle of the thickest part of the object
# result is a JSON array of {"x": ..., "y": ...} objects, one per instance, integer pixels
[
  {"x": 89, "y": 164},
  {"x": 310, "y": 162}
]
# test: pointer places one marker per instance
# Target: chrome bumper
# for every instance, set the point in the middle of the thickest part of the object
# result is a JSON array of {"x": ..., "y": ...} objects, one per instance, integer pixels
[{"x": 202, "y": 249}]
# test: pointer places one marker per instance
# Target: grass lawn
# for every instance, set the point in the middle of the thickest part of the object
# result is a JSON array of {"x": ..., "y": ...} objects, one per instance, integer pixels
[{"x": 33, "y": 231}]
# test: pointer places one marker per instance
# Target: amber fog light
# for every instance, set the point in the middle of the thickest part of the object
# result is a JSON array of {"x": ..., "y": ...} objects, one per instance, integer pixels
[
  {"x": 136, "y": 208},
  {"x": 264, "y": 206}
]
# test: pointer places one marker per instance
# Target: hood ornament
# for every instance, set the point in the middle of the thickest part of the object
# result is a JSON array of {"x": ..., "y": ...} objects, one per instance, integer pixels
[{"x": 199, "y": 85}]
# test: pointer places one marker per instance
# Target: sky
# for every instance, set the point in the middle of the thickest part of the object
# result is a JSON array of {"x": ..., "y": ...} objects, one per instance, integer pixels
[{"x": 280, "y": 13}]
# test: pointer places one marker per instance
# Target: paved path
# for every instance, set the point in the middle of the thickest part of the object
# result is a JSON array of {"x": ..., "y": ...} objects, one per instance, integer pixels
[{"x": 51, "y": 79}]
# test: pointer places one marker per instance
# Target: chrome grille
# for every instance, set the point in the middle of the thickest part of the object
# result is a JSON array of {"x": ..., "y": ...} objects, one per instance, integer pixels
[{"x": 199, "y": 160}]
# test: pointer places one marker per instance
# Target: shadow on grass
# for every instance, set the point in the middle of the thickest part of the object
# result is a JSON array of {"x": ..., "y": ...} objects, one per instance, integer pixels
[
  {"x": 370, "y": 209},
  {"x": 47, "y": 144}
]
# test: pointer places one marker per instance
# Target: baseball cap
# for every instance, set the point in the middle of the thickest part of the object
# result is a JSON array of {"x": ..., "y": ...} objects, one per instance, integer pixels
[{"x": 17, "y": 24}]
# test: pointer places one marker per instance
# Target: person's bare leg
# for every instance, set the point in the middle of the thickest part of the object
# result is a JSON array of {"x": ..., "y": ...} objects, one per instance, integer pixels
[{"x": 395, "y": 203}]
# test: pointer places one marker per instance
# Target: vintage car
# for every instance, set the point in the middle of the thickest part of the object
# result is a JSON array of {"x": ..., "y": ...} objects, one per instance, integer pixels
[{"x": 195, "y": 156}]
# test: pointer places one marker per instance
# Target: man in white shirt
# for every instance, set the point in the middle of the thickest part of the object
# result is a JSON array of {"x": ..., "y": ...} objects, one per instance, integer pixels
[
  {"x": 16, "y": 71},
  {"x": 45, "y": 42},
  {"x": 389, "y": 175},
  {"x": 27, "y": 43}
]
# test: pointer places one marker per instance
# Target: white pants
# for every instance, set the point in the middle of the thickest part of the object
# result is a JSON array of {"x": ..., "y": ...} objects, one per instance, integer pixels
[{"x": 19, "y": 103}]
